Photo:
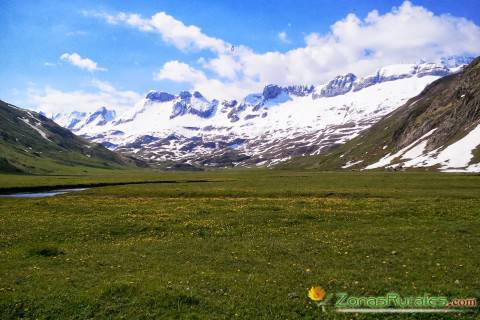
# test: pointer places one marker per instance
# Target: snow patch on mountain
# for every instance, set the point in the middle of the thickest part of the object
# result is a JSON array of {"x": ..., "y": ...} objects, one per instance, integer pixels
[
  {"x": 407, "y": 152},
  {"x": 455, "y": 157},
  {"x": 36, "y": 126}
]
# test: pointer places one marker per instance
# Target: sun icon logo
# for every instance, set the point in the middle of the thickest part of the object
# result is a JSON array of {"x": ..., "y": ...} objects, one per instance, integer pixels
[
  {"x": 316, "y": 293},
  {"x": 319, "y": 297}
]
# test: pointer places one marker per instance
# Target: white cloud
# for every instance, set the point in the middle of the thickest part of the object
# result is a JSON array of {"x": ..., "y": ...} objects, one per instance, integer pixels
[
  {"x": 179, "y": 72},
  {"x": 406, "y": 34},
  {"x": 82, "y": 63},
  {"x": 172, "y": 31},
  {"x": 283, "y": 37},
  {"x": 51, "y": 100},
  {"x": 224, "y": 65}
]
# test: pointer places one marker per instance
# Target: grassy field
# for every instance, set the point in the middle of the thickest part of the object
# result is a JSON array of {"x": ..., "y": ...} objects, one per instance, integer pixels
[{"x": 239, "y": 245}]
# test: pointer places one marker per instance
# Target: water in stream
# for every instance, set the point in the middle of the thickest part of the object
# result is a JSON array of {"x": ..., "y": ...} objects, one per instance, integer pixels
[{"x": 41, "y": 194}]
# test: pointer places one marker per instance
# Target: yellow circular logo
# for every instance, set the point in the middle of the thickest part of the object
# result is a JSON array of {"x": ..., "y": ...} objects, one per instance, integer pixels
[{"x": 316, "y": 293}]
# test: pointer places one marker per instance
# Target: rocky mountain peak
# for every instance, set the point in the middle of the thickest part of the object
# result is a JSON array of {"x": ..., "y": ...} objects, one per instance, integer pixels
[
  {"x": 185, "y": 95},
  {"x": 300, "y": 90},
  {"x": 197, "y": 95},
  {"x": 339, "y": 85},
  {"x": 271, "y": 91},
  {"x": 102, "y": 116},
  {"x": 160, "y": 96}
]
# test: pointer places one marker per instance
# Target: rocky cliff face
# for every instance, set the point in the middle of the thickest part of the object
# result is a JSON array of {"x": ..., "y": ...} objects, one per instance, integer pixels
[{"x": 339, "y": 85}]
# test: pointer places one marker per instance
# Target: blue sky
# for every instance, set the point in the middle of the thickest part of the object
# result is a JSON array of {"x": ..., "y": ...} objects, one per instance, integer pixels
[{"x": 135, "y": 56}]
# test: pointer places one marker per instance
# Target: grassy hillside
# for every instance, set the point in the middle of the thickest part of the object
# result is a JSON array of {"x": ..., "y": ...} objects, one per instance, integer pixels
[
  {"x": 32, "y": 143},
  {"x": 246, "y": 245},
  {"x": 451, "y": 105}
]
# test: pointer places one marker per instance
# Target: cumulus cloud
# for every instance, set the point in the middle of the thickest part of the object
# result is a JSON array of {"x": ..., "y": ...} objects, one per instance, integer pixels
[
  {"x": 82, "y": 63},
  {"x": 172, "y": 31},
  {"x": 179, "y": 72},
  {"x": 283, "y": 37},
  {"x": 405, "y": 34},
  {"x": 51, "y": 100}
]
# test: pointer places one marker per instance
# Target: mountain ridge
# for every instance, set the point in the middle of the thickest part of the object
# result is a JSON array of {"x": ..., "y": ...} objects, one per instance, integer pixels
[
  {"x": 263, "y": 128},
  {"x": 32, "y": 143},
  {"x": 438, "y": 129}
]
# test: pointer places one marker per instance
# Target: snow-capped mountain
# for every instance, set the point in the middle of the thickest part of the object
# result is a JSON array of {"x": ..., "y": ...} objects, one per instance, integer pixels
[
  {"x": 32, "y": 143},
  {"x": 438, "y": 129},
  {"x": 69, "y": 120},
  {"x": 262, "y": 128},
  {"x": 77, "y": 121}
]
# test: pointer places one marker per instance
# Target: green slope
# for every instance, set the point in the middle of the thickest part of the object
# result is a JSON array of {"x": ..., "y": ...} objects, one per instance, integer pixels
[
  {"x": 451, "y": 105},
  {"x": 32, "y": 143}
]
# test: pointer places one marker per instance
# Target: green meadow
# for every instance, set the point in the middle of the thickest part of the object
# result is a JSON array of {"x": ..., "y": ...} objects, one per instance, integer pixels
[{"x": 241, "y": 244}]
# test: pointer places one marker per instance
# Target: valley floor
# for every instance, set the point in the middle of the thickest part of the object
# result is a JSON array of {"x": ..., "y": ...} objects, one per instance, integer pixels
[{"x": 243, "y": 245}]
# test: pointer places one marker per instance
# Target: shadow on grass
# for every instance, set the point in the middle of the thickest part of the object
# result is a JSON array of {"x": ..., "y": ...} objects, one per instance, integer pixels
[{"x": 46, "y": 251}]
